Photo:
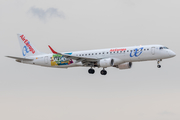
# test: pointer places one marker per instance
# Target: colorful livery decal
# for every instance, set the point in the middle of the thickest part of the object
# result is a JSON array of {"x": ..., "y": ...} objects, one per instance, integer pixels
[
  {"x": 136, "y": 52},
  {"x": 57, "y": 60}
]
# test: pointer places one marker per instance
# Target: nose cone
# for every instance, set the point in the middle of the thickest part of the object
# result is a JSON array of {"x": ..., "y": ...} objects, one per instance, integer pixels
[{"x": 172, "y": 54}]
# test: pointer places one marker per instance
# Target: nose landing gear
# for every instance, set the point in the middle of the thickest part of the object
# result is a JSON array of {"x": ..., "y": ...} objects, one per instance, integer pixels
[
  {"x": 159, "y": 66},
  {"x": 158, "y": 61}
]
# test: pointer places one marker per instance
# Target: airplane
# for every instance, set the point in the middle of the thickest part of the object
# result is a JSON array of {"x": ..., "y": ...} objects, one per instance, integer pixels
[{"x": 121, "y": 57}]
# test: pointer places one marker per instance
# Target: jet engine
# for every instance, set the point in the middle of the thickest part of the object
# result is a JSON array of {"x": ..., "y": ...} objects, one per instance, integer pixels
[
  {"x": 108, "y": 62},
  {"x": 126, "y": 65}
]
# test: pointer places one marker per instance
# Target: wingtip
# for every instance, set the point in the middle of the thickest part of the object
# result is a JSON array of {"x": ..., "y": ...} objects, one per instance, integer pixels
[{"x": 53, "y": 51}]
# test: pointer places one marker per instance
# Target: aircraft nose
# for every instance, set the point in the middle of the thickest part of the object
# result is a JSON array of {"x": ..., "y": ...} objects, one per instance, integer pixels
[{"x": 172, "y": 54}]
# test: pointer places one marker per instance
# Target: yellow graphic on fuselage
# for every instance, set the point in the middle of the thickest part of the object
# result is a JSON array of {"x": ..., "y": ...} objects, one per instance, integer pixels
[
  {"x": 57, "y": 60},
  {"x": 53, "y": 63}
]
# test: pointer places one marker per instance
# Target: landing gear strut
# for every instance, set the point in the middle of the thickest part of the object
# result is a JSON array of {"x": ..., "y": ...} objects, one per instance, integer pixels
[
  {"x": 158, "y": 61},
  {"x": 103, "y": 72},
  {"x": 91, "y": 71}
]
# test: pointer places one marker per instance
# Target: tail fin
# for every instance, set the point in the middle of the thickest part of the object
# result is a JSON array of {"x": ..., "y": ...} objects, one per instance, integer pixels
[{"x": 26, "y": 46}]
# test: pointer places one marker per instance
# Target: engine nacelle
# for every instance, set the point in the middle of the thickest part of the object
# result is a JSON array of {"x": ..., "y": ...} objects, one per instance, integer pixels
[
  {"x": 108, "y": 62},
  {"x": 127, "y": 65},
  {"x": 117, "y": 61}
]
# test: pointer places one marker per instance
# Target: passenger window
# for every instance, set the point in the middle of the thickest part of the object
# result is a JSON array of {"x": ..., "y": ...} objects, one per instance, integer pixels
[
  {"x": 110, "y": 52},
  {"x": 114, "y": 51},
  {"x": 86, "y": 54},
  {"x": 144, "y": 49},
  {"x": 92, "y": 53},
  {"x": 79, "y": 54},
  {"x": 99, "y": 53},
  {"x": 107, "y": 52},
  {"x": 103, "y": 52},
  {"x": 96, "y": 53},
  {"x": 82, "y": 54},
  {"x": 127, "y": 50}
]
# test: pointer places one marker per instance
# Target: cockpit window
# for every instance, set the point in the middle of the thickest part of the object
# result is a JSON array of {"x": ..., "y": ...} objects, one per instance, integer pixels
[{"x": 163, "y": 48}]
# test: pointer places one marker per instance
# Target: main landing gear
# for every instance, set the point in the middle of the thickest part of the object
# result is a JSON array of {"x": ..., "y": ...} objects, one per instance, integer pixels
[
  {"x": 158, "y": 61},
  {"x": 92, "y": 71},
  {"x": 103, "y": 72}
]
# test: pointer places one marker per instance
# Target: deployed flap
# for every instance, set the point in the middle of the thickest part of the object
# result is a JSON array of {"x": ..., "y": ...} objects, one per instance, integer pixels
[{"x": 18, "y": 58}]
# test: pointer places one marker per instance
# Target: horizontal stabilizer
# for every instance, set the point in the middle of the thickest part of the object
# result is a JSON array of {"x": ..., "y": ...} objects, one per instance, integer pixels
[{"x": 18, "y": 58}]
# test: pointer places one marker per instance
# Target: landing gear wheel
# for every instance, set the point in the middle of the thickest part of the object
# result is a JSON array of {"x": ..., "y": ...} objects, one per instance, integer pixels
[
  {"x": 158, "y": 61},
  {"x": 91, "y": 71},
  {"x": 103, "y": 72},
  {"x": 159, "y": 66}
]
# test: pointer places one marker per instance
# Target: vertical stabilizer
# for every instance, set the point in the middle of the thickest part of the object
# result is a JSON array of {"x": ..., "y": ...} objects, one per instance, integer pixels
[{"x": 26, "y": 47}]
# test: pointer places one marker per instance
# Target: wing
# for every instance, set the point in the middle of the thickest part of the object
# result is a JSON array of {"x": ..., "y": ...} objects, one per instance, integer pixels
[
  {"x": 77, "y": 58},
  {"x": 18, "y": 58}
]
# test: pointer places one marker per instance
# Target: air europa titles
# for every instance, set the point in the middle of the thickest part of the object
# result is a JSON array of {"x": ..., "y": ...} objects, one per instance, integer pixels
[
  {"x": 112, "y": 50},
  {"x": 27, "y": 43}
]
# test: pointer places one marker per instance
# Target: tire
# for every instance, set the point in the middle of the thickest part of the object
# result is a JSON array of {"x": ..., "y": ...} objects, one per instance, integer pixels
[
  {"x": 159, "y": 66},
  {"x": 91, "y": 71},
  {"x": 103, "y": 72}
]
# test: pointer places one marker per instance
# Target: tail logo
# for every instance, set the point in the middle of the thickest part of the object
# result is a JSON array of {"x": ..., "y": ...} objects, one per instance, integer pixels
[
  {"x": 25, "y": 50},
  {"x": 27, "y": 46}
]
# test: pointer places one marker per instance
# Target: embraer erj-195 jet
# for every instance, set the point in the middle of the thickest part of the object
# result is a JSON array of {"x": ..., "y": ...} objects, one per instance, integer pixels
[{"x": 120, "y": 58}]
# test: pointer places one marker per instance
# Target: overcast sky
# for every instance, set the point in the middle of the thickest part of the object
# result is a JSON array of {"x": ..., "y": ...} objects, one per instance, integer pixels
[{"x": 144, "y": 92}]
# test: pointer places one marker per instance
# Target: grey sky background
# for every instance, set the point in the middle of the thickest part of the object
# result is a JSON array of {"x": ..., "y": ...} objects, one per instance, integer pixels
[{"x": 141, "y": 93}]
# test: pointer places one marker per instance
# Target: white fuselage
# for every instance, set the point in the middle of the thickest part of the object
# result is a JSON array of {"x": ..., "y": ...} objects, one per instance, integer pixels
[{"x": 120, "y": 55}]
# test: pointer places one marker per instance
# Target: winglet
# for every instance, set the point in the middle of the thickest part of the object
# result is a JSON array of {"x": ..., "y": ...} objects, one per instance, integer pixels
[{"x": 52, "y": 49}]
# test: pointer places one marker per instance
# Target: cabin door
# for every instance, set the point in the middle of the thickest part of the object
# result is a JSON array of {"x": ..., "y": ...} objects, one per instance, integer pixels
[{"x": 153, "y": 50}]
